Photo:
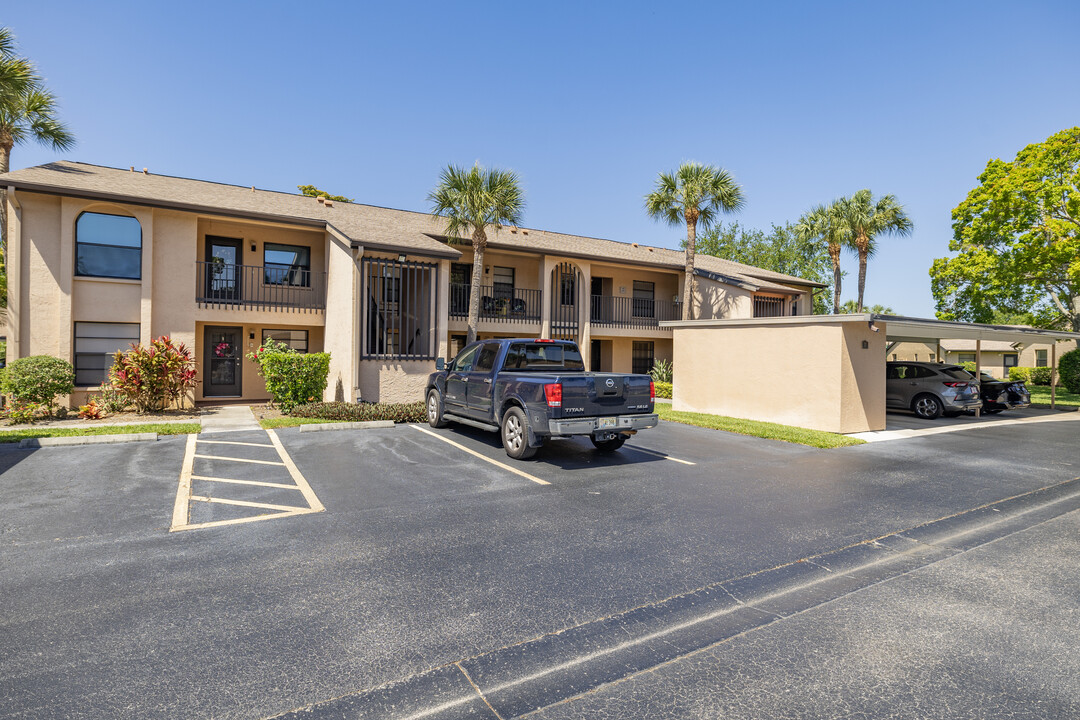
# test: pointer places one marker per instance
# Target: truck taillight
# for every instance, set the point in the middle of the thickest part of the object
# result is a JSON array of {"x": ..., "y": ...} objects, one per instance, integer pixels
[
  {"x": 652, "y": 391},
  {"x": 553, "y": 393}
]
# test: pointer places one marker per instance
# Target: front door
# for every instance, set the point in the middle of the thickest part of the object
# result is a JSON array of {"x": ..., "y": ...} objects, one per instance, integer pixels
[
  {"x": 223, "y": 256},
  {"x": 222, "y": 362}
]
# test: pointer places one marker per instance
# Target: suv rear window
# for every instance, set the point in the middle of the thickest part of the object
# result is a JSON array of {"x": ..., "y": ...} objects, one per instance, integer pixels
[
  {"x": 958, "y": 372},
  {"x": 543, "y": 357}
]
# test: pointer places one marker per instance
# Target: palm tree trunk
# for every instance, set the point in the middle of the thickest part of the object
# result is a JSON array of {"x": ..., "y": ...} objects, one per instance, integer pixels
[
  {"x": 834, "y": 253},
  {"x": 479, "y": 242},
  {"x": 6, "y": 143},
  {"x": 864, "y": 250},
  {"x": 688, "y": 285}
]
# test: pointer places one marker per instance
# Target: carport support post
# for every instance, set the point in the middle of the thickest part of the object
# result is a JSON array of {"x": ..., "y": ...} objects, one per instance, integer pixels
[
  {"x": 978, "y": 374},
  {"x": 1053, "y": 373}
]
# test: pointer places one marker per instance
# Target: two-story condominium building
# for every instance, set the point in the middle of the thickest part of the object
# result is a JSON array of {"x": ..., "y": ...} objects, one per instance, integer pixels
[{"x": 99, "y": 258}]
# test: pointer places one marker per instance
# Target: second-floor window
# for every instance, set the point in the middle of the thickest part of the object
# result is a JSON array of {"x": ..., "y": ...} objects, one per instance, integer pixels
[
  {"x": 108, "y": 246},
  {"x": 644, "y": 293},
  {"x": 502, "y": 281},
  {"x": 287, "y": 265}
]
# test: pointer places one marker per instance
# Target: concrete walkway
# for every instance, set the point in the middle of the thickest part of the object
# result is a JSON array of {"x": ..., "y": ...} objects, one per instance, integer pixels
[{"x": 228, "y": 418}]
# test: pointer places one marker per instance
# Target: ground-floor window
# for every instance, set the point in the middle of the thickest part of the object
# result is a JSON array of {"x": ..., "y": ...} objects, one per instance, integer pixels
[
  {"x": 1040, "y": 358},
  {"x": 457, "y": 344},
  {"x": 397, "y": 311},
  {"x": 296, "y": 339},
  {"x": 1011, "y": 360},
  {"x": 95, "y": 345},
  {"x": 768, "y": 306},
  {"x": 966, "y": 357},
  {"x": 643, "y": 358}
]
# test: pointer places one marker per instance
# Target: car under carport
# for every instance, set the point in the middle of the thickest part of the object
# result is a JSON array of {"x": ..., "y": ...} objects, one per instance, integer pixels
[{"x": 825, "y": 372}]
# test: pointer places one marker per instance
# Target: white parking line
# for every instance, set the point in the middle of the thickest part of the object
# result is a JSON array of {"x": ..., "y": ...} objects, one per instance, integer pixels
[
  {"x": 660, "y": 455},
  {"x": 183, "y": 493},
  {"x": 248, "y": 503},
  {"x": 257, "y": 462},
  {"x": 234, "y": 442},
  {"x": 882, "y": 435},
  {"x": 260, "y": 483},
  {"x": 496, "y": 463}
]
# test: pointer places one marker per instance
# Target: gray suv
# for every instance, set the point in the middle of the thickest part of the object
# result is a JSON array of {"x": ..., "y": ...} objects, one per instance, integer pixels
[{"x": 930, "y": 389}]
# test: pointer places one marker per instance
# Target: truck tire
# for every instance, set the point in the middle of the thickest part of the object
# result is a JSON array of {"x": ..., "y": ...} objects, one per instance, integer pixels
[
  {"x": 435, "y": 409},
  {"x": 607, "y": 446},
  {"x": 515, "y": 434}
]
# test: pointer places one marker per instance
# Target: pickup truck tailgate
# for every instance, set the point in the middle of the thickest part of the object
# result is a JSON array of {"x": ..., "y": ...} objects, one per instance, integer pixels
[{"x": 602, "y": 394}]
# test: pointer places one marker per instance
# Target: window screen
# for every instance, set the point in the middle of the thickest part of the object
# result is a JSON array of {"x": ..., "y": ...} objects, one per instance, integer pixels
[
  {"x": 296, "y": 339},
  {"x": 108, "y": 246},
  {"x": 95, "y": 346}
]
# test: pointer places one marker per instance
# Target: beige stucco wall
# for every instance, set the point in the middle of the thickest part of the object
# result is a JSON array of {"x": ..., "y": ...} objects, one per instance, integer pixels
[
  {"x": 811, "y": 374},
  {"x": 716, "y": 301}
]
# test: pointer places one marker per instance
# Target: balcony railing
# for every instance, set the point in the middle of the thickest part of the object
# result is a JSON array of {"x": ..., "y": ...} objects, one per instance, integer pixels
[
  {"x": 497, "y": 302},
  {"x": 629, "y": 312},
  {"x": 255, "y": 287}
]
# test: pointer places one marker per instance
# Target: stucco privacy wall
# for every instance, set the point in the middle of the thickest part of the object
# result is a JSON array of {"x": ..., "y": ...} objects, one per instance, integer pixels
[{"x": 804, "y": 371}]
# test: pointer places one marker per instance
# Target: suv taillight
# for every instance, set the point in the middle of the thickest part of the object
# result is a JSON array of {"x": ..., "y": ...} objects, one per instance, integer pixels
[
  {"x": 553, "y": 393},
  {"x": 652, "y": 391},
  {"x": 956, "y": 384}
]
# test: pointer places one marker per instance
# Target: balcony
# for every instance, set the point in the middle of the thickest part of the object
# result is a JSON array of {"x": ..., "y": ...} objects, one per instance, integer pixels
[
  {"x": 628, "y": 312},
  {"x": 257, "y": 287},
  {"x": 497, "y": 302}
]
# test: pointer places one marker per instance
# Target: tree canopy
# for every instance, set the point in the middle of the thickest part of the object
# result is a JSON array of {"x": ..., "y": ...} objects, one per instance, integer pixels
[
  {"x": 312, "y": 191},
  {"x": 1017, "y": 239},
  {"x": 850, "y": 307},
  {"x": 824, "y": 223},
  {"x": 694, "y": 194},
  {"x": 782, "y": 249},
  {"x": 866, "y": 219}
]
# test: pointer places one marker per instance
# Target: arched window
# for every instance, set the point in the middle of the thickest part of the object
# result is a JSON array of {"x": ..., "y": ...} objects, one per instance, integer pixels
[{"x": 108, "y": 246}]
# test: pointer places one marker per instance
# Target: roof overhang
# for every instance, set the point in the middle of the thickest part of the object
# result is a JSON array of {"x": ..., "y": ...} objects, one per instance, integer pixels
[{"x": 907, "y": 329}]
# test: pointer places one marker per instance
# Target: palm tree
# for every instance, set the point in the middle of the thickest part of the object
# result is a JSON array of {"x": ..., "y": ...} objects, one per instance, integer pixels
[
  {"x": 27, "y": 112},
  {"x": 693, "y": 194},
  {"x": 470, "y": 200},
  {"x": 851, "y": 307},
  {"x": 823, "y": 222},
  {"x": 865, "y": 219}
]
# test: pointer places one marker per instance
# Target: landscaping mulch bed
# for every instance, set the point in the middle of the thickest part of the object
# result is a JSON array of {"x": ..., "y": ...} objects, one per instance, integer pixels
[{"x": 74, "y": 421}]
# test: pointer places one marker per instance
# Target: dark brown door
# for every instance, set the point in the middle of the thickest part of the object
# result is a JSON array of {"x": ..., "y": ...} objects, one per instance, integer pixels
[
  {"x": 223, "y": 261},
  {"x": 222, "y": 362}
]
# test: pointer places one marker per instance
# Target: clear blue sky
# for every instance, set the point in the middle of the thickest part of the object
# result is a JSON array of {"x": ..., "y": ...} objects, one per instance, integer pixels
[{"x": 801, "y": 101}]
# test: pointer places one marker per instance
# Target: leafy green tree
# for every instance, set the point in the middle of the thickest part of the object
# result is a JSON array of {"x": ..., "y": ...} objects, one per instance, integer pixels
[
  {"x": 850, "y": 307},
  {"x": 469, "y": 201},
  {"x": 823, "y": 223},
  {"x": 1017, "y": 239},
  {"x": 782, "y": 250},
  {"x": 312, "y": 191},
  {"x": 27, "y": 112},
  {"x": 866, "y": 219},
  {"x": 693, "y": 194}
]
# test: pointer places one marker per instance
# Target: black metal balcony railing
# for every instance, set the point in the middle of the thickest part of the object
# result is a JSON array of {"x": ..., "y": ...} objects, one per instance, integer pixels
[
  {"x": 255, "y": 287},
  {"x": 497, "y": 302},
  {"x": 612, "y": 311}
]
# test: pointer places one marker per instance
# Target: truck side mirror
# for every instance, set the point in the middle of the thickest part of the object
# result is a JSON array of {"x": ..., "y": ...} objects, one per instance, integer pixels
[{"x": 440, "y": 364}]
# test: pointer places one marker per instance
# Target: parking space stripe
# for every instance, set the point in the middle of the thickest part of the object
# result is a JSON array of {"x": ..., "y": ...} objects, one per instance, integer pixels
[
  {"x": 241, "y": 521},
  {"x": 183, "y": 492},
  {"x": 485, "y": 458},
  {"x": 249, "y": 503},
  {"x": 660, "y": 455},
  {"x": 234, "y": 442},
  {"x": 260, "y": 483},
  {"x": 294, "y": 472},
  {"x": 257, "y": 462}
]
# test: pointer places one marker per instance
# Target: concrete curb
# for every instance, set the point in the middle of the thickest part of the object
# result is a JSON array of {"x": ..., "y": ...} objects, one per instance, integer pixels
[
  {"x": 87, "y": 440},
  {"x": 325, "y": 427}
]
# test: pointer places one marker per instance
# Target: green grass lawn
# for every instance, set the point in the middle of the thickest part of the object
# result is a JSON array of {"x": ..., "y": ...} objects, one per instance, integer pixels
[
  {"x": 1040, "y": 395},
  {"x": 756, "y": 428},
  {"x": 9, "y": 436},
  {"x": 270, "y": 423}
]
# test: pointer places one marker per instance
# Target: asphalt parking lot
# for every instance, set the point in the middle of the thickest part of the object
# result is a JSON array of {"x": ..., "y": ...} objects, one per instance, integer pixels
[{"x": 437, "y": 582}]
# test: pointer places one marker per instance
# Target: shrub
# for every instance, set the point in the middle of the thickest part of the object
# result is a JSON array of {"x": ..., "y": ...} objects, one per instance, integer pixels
[
  {"x": 110, "y": 399},
  {"x": 151, "y": 378},
  {"x": 1069, "y": 370},
  {"x": 662, "y": 371},
  {"x": 663, "y": 389},
  {"x": 91, "y": 411},
  {"x": 1020, "y": 374},
  {"x": 25, "y": 413},
  {"x": 354, "y": 412},
  {"x": 38, "y": 380},
  {"x": 969, "y": 366},
  {"x": 291, "y": 378},
  {"x": 1040, "y": 376}
]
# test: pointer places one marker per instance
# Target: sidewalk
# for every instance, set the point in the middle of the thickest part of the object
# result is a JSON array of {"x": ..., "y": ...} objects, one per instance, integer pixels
[{"x": 228, "y": 418}]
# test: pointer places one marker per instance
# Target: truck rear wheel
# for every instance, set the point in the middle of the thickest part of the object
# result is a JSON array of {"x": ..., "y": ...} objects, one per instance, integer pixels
[
  {"x": 606, "y": 446},
  {"x": 515, "y": 434}
]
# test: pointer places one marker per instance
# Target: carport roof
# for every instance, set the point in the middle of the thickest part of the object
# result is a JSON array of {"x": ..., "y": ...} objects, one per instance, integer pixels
[{"x": 908, "y": 329}]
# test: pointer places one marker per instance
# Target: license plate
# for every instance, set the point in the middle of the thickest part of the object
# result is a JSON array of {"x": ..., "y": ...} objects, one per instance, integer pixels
[{"x": 608, "y": 422}]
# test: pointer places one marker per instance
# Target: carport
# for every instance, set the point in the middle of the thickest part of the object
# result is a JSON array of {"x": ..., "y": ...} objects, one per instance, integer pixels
[{"x": 825, "y": 372}]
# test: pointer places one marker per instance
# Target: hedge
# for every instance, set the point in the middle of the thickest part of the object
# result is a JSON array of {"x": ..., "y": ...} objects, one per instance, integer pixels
[
  {"x": 1069, "y": 370},
  {"x": 352, "y": 412},
  {"x": 663, "y": 389},
  {"x": 292, "y": 378},
  {"x": 38, "y": 380}
]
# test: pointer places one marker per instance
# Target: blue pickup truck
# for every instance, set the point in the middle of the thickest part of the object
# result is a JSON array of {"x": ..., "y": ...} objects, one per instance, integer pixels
[{"x": 532, "y": 391}]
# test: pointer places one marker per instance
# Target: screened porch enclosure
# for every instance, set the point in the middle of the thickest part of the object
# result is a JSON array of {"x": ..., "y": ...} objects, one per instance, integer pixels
[{"x": 398, "y": 309}]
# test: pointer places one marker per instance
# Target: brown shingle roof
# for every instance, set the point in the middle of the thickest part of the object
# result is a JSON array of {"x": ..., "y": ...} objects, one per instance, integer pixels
[{"x": 377, "y": 227}]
